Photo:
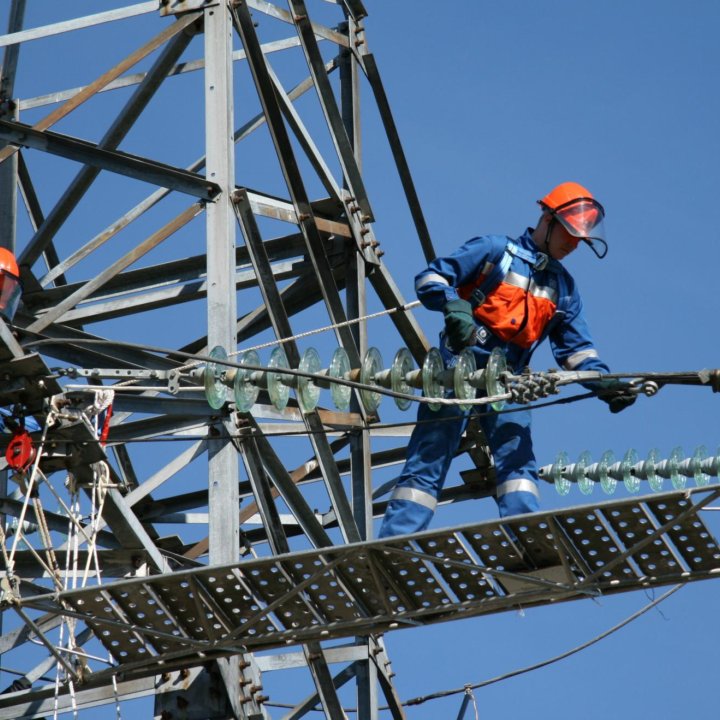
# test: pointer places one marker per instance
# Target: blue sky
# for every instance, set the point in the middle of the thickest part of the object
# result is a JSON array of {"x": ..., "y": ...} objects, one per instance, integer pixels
[{"x": 496, "y": 103}]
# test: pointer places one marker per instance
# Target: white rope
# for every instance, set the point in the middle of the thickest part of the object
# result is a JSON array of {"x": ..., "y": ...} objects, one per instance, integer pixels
[
  {"x": 99, "y": 493},
  {"x": 68, "y": 512},
  {"x": 73, "y": 699},
  {"x": 270, "y": 343},
  {"x": 71, "y": 551},
  {"x": 307, "y": 333},
  {"x": 47, "y": 568},
  {"x": 3, "y": 541},
  {"x": 354, "y": 321},
  {"x": 118, "y": 715},
  {"x": 57, "y": 680},
  {"x": 363, "y": 386},
  {"x": 474, "y": 702},
  {"x": 28, "y": 493}
]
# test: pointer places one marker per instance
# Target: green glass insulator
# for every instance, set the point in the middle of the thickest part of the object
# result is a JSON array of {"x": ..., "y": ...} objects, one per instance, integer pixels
[
  {"x": 496, "y": 366},
  {"x": 278, "y": 384},
  {"x": 308, "y": 393},
  {"x": 371, "y": 364},
  {"x": 215, "y": 390},
  {"x": 340, "y": 368},
  {"x": 462, "y": 371},
  {"x": 585, "y": 484},
  {"x": 650, "y": 468},
  {"x": 701, "y": 478},
  {"x": 714, "y": 469},
  {"x": 432, "y": 370},
  {"x": 607, "y": 483},
  {"x": 678, "y": 480},
  {"x": 630, "y": 480},
  {"x": 562, "y": 484},
  {"x": 401, "y": 366},
  {"x": 245, "y": 391}
]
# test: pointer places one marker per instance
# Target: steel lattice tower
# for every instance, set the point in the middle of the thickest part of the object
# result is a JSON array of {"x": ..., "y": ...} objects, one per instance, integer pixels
[
  {"x": 203, "y": 71},
  {"x": 198, "y": 195}
]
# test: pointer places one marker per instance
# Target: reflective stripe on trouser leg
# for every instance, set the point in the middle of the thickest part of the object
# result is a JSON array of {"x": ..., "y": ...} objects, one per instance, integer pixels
[
  {"x": 517, "y": 496},
  {"x": 433, "y": 443},
  {"x": 417, "y": 496},
  {"x": 510, "y": 442}
]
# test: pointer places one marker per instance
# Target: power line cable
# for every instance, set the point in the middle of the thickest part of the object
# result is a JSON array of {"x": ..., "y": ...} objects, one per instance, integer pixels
[
  {"x": 328, "y": 430},
  {"x": 514, "y": 673},
  {"x": 549, "y": 661}
]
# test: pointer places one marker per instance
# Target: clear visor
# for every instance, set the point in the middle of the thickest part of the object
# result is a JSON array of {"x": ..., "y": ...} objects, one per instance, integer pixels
[
  {"x": 583, "y": 218},
  {"x": 10, "y": 293}
]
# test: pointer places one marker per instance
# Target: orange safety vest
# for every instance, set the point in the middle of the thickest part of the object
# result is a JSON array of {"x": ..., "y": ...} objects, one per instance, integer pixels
[{"x": 517, "y": 309}]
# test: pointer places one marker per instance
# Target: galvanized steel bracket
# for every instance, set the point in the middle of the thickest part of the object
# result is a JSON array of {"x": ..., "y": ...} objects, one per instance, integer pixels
[{"x": 177, "y": 7}]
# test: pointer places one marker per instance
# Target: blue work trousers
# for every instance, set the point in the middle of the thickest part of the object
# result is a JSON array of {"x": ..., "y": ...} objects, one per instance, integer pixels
[{"x": 433, "y": 444}]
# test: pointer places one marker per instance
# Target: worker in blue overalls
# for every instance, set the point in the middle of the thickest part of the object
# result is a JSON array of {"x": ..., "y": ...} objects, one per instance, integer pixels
[
  {"x": 10, "y": 294},
  {"x": 495, "y": 291}
]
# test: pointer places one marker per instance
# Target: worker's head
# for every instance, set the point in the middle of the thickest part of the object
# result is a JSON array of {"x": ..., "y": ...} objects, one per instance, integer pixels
[
  {"x": 571, "y": 214},
  {"x": 10, "y": 287}
]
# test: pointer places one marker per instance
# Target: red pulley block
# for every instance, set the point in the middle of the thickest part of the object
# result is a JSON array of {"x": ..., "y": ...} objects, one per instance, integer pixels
[{"x": 20, "y": 453}]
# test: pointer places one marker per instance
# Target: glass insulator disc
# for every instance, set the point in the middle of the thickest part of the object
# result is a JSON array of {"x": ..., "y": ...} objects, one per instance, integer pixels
[
  {"x": 401, "y": 366},
  {"x": 371, "y": 365},
  {"x": 701, "y": 478},
  {"x": 340, "y": 368},
  {"x": 215, "y": 389},
  {"x": 462, "y": 371},
  {"x": 308, "y": 393},
  {"x": 561, "y": 483},
  {"x": 432, "y": 370},
  {"x": 630, "y": 480},
  {"x": 278, "y": 384},
  {"x": 585, "y": 484},
  {"x": 496, "y": 365},
  {"x": 607, "y": 483},
  {"x": 677, "y": 479},
  {"x": 650, "y": 469},
  {"x": 245, "y": 391}
]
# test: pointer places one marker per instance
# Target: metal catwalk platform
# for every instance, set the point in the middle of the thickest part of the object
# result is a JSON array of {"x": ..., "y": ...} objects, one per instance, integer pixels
[
  {"x": 153, "y": 623},
  {"x": 199, "y": 188}
]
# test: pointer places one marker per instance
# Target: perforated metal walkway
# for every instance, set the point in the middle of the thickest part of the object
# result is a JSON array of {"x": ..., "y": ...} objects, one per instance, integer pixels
[{"x": 376, "y": 586}]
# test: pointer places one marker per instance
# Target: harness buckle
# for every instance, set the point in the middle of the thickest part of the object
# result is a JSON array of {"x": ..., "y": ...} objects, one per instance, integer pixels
[
  {"x": 477, "y": 298},
  {"x": 541, "y": 261}
]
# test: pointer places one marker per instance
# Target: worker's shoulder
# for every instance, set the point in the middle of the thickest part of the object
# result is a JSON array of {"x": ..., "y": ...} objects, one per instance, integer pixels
[
  {"x": 568, "y": 284},
  {"x": 488, "y": 244}
]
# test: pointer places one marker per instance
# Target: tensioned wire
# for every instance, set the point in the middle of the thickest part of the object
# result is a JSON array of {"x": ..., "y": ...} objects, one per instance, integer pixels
[
  {"x": 199, "y": 359},
  {"x": 349, "y": 430},
  {"x": 468, "y": 687}
]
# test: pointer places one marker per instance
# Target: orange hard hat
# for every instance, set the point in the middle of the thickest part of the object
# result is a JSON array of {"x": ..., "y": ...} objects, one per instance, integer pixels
[
  {"x": 574, "y": 207},
  {"x": 565, "y": 193},
  {"x": 8, "y": 262},
  {"x": 10, "y": 287}
]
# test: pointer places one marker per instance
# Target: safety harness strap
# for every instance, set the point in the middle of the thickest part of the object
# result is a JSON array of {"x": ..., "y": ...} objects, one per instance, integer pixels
[{"x": 501, "y": 268}]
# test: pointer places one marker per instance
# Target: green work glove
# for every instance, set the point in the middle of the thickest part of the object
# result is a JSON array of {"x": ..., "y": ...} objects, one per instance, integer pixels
[
  {"x": 617, "y": 395},
  {"x": 459, "y": 324}
]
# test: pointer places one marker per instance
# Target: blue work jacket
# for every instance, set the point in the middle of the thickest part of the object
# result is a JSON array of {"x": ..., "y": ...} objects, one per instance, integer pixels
[{"x": 535, "y": 298}]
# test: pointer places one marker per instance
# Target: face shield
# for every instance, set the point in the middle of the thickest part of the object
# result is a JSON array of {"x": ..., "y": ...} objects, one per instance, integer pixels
[
  {"x": 583, "y": 218},
  {"x": 10, "y": 293}
]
